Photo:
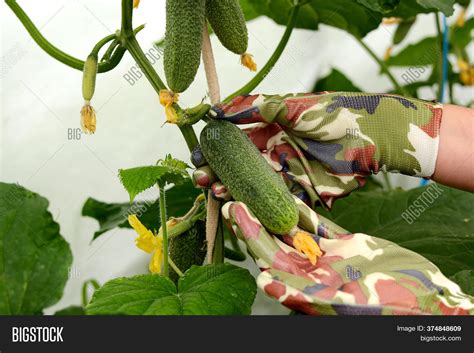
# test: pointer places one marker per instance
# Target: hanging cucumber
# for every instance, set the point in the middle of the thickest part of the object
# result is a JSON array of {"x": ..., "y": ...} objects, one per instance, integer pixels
[
  {"x": 249, "y": 178},
  {"x": 228, "y": 23},
  {"x": 183, "y": 40}
]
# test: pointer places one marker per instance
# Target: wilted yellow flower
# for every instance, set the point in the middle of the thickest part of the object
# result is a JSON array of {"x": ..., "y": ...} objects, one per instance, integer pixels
[
  {"x": 246, "y": 59},
  {"x": 148, "y": 242},
  {"x": 167, "y": 98},
  {"x": 136, "y": 3},
  {"x": 304, "y": 242},
  {"x": 88, "y": 118}
]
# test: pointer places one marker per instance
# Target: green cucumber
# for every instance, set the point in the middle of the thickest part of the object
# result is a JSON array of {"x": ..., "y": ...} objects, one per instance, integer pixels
[
  {"x": 249, "y": 178},
  {"x": 188, "y": 248},
  {"x": 228, "y": 23},
  {"x": 183, "y": 41},
  {"x": 89, "y": 76}
]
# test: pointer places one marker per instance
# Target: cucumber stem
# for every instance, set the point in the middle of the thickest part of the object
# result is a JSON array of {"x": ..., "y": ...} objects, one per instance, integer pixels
[
  {"x": 258, "y": 78},
  {"x": 175, "y": 268},
  {"x": 57, "y": 53},
  {"x": 85, "y": 287},
  {"x": 388, "y": 183},
  {"x": 130, "y": 42},
  {"x": 384, "y": 68},
  {"x": 164, "y": 230}
]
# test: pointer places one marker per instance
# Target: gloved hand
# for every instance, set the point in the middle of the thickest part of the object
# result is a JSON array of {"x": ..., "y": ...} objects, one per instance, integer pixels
[
  {"x": 357, "y": 273},
  {"x": 326, "y": 144},
  {"x": 354, "y": 273}
]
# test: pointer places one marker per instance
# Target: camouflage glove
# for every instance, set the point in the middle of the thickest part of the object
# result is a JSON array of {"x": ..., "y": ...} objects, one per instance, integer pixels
[
  {"x": 326, "y": 144},
  {"x": 356, "y": 275}
]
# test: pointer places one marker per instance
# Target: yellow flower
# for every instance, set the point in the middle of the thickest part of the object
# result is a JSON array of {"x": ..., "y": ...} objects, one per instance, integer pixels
[
  {"x": 136, "y": 3},
  {"x": 466, "y": 74},
  {"x": 246, "y": 60},
  {"x": 88, "y": 119},
  {"x": 304, "y": 242},
  {"x": 467, "y": 77},
  {"x": 167, "y": 98},
  {"x": 461, "y": 20},
  {"x": 148, "y": 242}
]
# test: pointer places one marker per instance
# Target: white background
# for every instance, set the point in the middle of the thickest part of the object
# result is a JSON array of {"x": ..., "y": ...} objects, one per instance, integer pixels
[{"x": 41, "y": 100}]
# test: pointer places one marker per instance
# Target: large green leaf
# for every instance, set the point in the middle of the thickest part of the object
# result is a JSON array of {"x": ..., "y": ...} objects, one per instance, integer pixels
[
  {"x": 335, "y": 81},
  {"x": 382, "y": 6},
  {"x": 222, "y": 289},
  {"x": 443, "y": 232},
  {"x": 347, "y": 15},
  {"x": 411, "y": 8},
  {"x": 35, "y": 258},
  {"x": 111, "y": 215}
]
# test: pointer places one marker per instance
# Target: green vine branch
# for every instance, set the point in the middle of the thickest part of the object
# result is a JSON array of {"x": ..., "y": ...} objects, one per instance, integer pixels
[
  {"x": 57, "y": 53},
  {"x": 384, "y": 68},
  {"x": 164, "y": 230},
  {"x": 130, "y": 42},
  {"x": 258, "y": 78}
]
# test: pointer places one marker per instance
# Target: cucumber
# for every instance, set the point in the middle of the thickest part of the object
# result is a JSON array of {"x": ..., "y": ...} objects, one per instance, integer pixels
[
  {"x": 183, "y": 40},
  {"x": 89, "y": 76},
  {"x": 188, "y": 248},
  {"x": 228, "y": 23},
  {"x": 249, "y": 178}
]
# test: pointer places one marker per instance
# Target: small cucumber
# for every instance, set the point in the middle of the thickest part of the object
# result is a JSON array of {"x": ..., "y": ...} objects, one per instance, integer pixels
[
  {"x": 249, "y": 178},
  {"x": 183, "y": 40},
  {"x": 89, "y": 76},
  {"x": 228, "y": 22}
]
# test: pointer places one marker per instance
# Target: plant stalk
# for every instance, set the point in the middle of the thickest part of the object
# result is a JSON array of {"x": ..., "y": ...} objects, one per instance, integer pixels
[
  {"x": 384, "y": 68},
  {"x": 258, "y": 78},
  {"x": 130, "y": 42},
  {"x": 388, "y": 183},
  {"x": 55, "y": 52},
  {"x": 175, "y": 268},
  {"x": 164, "y": 230}
]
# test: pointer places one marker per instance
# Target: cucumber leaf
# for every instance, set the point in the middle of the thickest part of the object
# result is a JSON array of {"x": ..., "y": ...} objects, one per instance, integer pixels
[
  {"x": 35, "y": 258},
  {"x": 347, "y": 15},
  {"x": 136, "y": 180},
  {"x": 465, "y": 280},
  {"x": 382, "y": 6},
  {"x": 335, "y": 81},
  {"x": 411, "y": 8},
  {"x": 221, "y": 289},
  {"x": 111, "y": 215},
  {"x": 442, "y": 231}
]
